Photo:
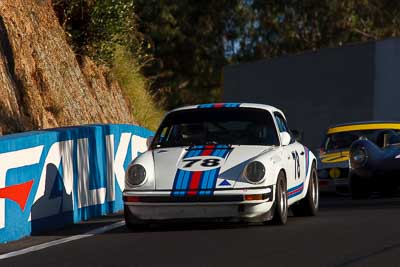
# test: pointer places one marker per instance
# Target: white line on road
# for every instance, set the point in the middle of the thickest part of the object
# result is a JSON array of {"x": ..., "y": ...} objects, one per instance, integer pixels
[{"x": 97, "y": 231}]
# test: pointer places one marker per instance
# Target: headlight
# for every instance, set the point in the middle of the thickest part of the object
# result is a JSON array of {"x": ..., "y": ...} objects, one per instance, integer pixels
[
  {"x": 334, "y": 173},
  {"x": 254, "y": 172},
  {"x": 358, "y": 157},
  {"x": 135, "y": 175}
]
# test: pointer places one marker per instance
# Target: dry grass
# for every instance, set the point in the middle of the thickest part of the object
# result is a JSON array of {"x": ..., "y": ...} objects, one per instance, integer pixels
[{"x": 135, "y": 87}]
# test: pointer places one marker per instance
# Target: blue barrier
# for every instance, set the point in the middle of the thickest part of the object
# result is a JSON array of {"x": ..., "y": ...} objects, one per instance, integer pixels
[{"x": 55, "y": 177}]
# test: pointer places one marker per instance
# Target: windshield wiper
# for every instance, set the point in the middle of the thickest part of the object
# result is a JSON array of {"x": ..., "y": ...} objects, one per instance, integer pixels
[{"x": 212, "y": 143}]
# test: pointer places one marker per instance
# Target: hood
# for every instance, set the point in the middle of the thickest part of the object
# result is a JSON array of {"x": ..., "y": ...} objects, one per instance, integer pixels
[
  {"x": 201, "y": 169},
  {"x": 391, "y": 159},
  {"x": 385, "y": 160}
]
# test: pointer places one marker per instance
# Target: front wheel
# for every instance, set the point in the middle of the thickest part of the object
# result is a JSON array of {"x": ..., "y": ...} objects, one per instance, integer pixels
[
  {"x": 308, "y": 206},
  {"x": 281, "y": 201}
]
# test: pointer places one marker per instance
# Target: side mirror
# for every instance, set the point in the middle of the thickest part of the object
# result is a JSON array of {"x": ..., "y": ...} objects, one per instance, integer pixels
[
  {"x": 149, "y": 141},
  {"x": 297, "y": 135},
  {"x": 285, "y": 138}
]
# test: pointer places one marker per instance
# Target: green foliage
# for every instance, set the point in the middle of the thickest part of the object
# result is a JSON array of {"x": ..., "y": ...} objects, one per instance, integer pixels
[
  {"x": 277, "y": 27},
  {"x": 112, "y": 22},
  {"x": 187, "y": 39},
  {"x": 181, "y": 46},
  {"x": 126, "y": 70},
  {"x": 106, "y": 31},
  {"x": 97, "y": 26}
]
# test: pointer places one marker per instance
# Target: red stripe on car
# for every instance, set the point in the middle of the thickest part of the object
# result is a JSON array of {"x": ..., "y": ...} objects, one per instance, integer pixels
[
  {"x": 295, "y": 191},
  {"x": 207, "y": 150},
  {"x": 219, "y": 105},
  {"x": 194, "y": 183}
]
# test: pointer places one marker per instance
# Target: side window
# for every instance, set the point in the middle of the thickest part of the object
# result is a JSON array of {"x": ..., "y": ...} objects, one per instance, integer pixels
[
  {"x": 164, "y": 133},
  {"x": 282, "y": 125},
  {"x": 163, "y": 137}
]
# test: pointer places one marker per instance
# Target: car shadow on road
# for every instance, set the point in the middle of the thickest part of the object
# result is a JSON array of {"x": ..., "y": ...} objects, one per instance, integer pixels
[
  {"x": 83, "y": 227},
  {"x": 179, "y": 227},
  {"x": 374, "y": 201},
  {"x": 329, "y": 202}
]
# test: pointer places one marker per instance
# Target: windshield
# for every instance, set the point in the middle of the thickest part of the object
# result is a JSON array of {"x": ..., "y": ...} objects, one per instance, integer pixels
[
  {"x": 345, "y": 139},
  {"x": 388, "y": 137},
  {"x": 244, "y": 126}
]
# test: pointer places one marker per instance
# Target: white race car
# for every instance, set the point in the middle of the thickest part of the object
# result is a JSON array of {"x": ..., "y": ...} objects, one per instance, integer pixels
[{"x": 225, "y": 160}]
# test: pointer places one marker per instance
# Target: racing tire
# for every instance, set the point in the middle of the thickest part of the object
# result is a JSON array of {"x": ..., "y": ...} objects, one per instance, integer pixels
[
  {"x": 308, "y": 206},
  {"x": 360, "y": 187},
  {"x": 132, "y": 223},
  {"x": 281, "y": 201}
]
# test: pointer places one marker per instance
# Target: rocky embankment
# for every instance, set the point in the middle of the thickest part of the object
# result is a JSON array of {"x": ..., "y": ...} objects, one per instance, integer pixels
[{"x": 43, "y": 84}]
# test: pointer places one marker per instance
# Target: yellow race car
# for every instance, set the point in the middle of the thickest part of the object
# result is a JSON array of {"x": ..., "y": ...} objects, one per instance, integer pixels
[{"x": 333, "y": 158}]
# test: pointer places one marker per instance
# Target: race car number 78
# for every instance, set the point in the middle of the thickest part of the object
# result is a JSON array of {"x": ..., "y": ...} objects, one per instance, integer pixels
[{"x": 208, "y": 162}]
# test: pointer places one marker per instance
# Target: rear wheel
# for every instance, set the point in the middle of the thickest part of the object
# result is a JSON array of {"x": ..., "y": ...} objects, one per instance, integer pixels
[
  {"x": 308, "y": 206},
  {"x": 360, "y": 187},
  {"x": 281, "y": 202}
]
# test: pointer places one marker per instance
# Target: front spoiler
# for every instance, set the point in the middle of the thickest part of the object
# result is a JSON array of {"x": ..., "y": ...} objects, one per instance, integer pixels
[
  {"x": 218, "y": 196},
  {"x": 193, "y": 199},
  {"x": 228, "y": 205},
  {"x": 339, "y": 185}
]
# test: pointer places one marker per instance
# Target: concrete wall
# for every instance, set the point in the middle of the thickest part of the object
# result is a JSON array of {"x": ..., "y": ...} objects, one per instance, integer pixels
[
  {"x": 55, "y": 177},
  {"x": 318, "y": 89},
  {"x": 387, "y": 80}
]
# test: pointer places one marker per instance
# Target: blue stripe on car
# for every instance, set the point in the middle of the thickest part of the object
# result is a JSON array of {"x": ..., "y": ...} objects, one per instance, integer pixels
[
  {"x": 296, "y": 190},
  {"x": 204, "y": 182},
  {"x": 232, "y": 105},
  {"x": 295, "y": 194},
  {"x": 208, "y": 178},
  {"x": 185, "y": 183},
  {"x": 307, "y": 159},
  {"x": 295, "y": 187},
  {"x": 217, "y": 105}
]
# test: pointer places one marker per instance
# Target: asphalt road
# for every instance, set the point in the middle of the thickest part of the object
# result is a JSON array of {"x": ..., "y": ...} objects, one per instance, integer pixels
[{"x": 344, "y": 233}]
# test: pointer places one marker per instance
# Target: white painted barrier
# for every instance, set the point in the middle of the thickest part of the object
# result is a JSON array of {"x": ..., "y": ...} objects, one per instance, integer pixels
[{"x": 55, "y": 177}]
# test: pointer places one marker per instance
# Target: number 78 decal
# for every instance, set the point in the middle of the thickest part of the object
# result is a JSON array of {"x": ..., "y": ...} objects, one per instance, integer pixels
[{"x": 201, "y": 163}]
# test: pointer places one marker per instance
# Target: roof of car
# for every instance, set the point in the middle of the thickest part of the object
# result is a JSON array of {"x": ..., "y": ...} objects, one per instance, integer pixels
[
  {"x": 229, "y": 105},
  {"x": 363, "y": 125}
]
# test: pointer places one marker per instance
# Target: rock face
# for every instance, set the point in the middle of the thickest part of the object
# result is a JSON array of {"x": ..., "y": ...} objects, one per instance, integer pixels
[{"x": 42, "y": 84}]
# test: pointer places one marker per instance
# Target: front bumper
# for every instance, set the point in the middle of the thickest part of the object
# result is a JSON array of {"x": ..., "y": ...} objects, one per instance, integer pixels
[
  {"x": 336, "y": 184},
  {"x": 224, "y": 204}
]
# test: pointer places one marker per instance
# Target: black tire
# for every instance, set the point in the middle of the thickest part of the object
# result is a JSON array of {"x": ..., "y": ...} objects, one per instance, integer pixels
[
  {"x": 308, "y": 206},
  {"x": 132, "y": 223},
  {"x": 281, "y": 201},
  {"x": 360, "y": 187}
]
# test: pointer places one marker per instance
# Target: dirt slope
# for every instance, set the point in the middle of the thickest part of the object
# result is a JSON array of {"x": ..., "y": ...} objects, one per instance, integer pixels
[{"x": 42, "y": 84}]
